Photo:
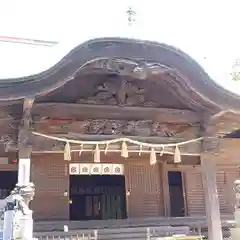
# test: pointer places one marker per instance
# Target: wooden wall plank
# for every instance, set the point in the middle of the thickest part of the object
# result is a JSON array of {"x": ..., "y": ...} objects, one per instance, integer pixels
[
  {"x": 144, "y": 184},
  {"x": 194, "y": 193}
]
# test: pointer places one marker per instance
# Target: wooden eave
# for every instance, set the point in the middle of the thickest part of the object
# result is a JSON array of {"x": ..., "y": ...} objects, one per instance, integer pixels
[
  {"x": 193, "y": 77},
  {"x": 164, "y": 65}
]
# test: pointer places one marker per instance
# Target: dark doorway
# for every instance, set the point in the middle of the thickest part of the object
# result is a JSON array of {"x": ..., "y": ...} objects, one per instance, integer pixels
[
  {"x": 8, "y": 180},
  {"x": 176, "y": 194},
  {"x": 96, "y": 197}
]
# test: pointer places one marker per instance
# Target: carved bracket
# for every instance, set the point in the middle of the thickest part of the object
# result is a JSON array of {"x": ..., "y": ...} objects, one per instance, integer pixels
[{"x": 211, "y": 144}]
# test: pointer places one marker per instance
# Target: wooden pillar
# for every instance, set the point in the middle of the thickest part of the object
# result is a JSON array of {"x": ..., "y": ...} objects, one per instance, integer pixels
[
  {"x": 165, "y": 189},
  {"x": 24, "y": 149},
  {"x": 211, "y": 197},
  {"x": 24, "y": 168},
  {"x": 23, "y": 187}
]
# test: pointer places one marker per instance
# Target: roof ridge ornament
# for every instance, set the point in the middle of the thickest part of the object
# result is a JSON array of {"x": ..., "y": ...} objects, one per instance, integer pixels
[{"x": 131, "y": 16}]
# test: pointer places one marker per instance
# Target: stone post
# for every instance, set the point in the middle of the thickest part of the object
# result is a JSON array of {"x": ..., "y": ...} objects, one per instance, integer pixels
[{"x": 235, "y": 232}]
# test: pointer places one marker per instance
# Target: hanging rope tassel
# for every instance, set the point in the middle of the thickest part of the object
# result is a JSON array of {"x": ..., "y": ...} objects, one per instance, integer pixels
[
  {"x": 97, "y": 155},
  {"x": 80, "y": 152},
  {"x": 106, "y": 149},
  {"x": 177, "y": 155},
  {"x": 67, "y": 152},
  {"x": 124, "y": 152},
  {"x": 162, "y": 150},
  {"x": 153, "y": 157},
  {"x": 140, "y": 151}
]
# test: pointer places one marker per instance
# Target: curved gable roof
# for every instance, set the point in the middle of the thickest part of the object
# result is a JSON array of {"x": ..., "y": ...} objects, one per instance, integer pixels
[{"x": 193, "y": 74}]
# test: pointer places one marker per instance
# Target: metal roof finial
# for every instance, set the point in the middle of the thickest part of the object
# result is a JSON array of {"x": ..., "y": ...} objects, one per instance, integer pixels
[{"x": 131, "y": 16}]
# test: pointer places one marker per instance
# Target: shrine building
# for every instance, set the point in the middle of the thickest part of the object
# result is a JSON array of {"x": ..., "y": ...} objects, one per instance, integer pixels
[{"x": 120, "y": 129}]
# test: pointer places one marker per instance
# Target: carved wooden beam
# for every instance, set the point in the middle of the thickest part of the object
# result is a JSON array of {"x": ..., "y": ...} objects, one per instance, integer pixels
[
  {"x": 116, "y": 127},
  {"x": 85, "y": 111},
  {"x": 9, "y": 103},
  {"x": 24, "y": 147}
]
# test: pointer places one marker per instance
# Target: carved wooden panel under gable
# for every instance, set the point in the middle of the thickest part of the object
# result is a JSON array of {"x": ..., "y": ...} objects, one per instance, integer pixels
[{"x": 119, "y": 92}]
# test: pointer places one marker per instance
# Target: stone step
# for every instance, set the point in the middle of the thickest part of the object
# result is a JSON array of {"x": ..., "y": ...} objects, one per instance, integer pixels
[
  {"x": 124, "y": 223},
  {"x": 120, "y": 233}
]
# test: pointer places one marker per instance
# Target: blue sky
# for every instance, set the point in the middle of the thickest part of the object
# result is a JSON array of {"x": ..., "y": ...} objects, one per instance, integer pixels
[{"x": 206, "y": 29}]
